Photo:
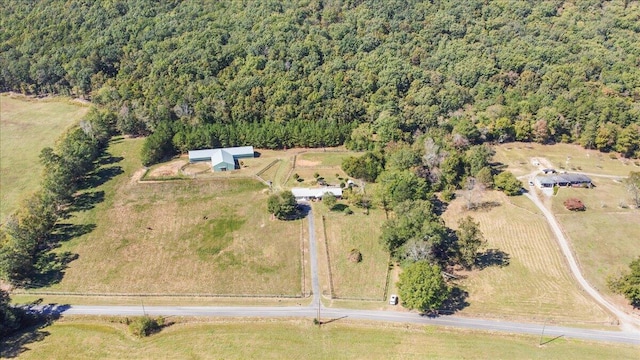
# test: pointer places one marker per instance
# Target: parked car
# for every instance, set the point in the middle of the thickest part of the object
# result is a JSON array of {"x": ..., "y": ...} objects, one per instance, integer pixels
[{"x": 393, "y": 300}]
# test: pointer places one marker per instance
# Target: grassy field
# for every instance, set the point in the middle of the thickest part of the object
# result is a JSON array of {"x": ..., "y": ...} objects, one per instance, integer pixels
[
  {"x": 562, "y": 157},
  {"x": 605, "y": 237},
  {"x": 326, "y": 163},
  {"x": 536, "y": 285},
  {"x": 210, "y": 236},
  {"x": 27, "y": 126},
  {"x": 363, "y": 280},
  {"x": 82, "y": 338}
]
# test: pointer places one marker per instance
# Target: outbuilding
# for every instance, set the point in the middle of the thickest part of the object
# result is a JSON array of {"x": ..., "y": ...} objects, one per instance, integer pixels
[{"x": 222, "y": 159}]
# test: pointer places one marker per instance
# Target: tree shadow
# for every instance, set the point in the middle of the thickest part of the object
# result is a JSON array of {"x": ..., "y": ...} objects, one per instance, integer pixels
[
  {"x": 86, "y": 201},
  {"x": 485, "y": 205},
  {"x": 65, "y": 232},
  {"x": 492, "y": 257},
  {"x": 439, "y": 206},
  {"x": 339, "y": 207},
  {"x": 100, "y": 176},
  {"x": 50, "y": 268},
  {"x": 301, "y": 213},
  {"x": 108, "y": 159},
  {"x": 34, "y": 321},
  {"x": 456, "y": 301}
]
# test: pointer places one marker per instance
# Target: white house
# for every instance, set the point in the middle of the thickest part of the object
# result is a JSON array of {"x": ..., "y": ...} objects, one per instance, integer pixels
[{"x": 315, "y": 193}]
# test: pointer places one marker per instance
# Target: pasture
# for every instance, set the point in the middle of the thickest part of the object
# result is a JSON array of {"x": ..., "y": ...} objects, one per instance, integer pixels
[
  {"x": 27, "y": 126},
  {"x": 353, "y": 280},
  {"x": 606, "y": 236},
  {"x": 188, "y": 236},
  {"x": 96, "y": 338},
  {"x": 566, "y": 157},
  {"x": 536, "y": 284}
]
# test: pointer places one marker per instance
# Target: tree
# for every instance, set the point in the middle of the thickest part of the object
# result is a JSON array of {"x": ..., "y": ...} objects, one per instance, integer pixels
[
  {"x": 508, "y": 183},
  {"x": 330, "y": 200},
  {"x": 629, "y": 284},
  {"x": 485, "y": 177},
  {"x": 366, "y": 167},
  {"x": 422, "y": 287},
  {"x": 283, "y": 205},
  {"x": 470, "y": 241},
  {"x": 633, "y": 186},
  {"x": 398, "y": 186}
]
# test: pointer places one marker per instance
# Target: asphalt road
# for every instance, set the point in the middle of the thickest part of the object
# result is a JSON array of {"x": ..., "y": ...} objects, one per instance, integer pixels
[{"x": 334, "y": 314}]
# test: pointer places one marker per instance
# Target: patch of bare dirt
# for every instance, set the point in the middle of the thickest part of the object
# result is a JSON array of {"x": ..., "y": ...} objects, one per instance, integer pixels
[
  {"x": 169, "y": 169},
  {"x": 307, "y": 163},
  {"x": 137, "y": 176}
]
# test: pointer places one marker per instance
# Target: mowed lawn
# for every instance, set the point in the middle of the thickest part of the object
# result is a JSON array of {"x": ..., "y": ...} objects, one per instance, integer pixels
[
  {"x": 27, "y": 126},
  {"x": 536, "y": 285},
  {"x": 203, "y": 236},
  {"x": 567, "y": 157},
  {"x": 82, "y": 338},
  {"x": 605, "y": 237},
  {"x": 351, "y": 280}
]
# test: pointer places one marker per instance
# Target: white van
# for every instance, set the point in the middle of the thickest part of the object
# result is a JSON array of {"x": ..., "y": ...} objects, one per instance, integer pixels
[{"x": 393, "y": 300}]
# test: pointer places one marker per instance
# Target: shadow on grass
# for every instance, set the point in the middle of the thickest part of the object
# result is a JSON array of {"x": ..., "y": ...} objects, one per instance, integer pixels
[
  {"x": 457, "y": 301},
  {"x": 339, "y": 207},
  {"x": 100, "y": 176},
  {"x": 36, "y": 319},
  {"x": 492, "y": 257},
  {"x": 65, "y": 232},
  {"x": 50, "y": 268},
  {"x": 87, "y": 201}
]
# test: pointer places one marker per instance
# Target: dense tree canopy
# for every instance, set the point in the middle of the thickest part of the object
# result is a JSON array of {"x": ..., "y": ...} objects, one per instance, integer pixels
[
  {"x": 316, "y": 73},
  {"x": 422, "y": 287}
]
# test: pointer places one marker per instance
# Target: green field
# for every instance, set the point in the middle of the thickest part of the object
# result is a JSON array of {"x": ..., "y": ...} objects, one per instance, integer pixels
[
  {"x": 209, "y": 237},
  {"x": 363, "y": 280},
  {"x": 27, "y": 126},
  {"x": 536, "y": 284},
  {"x": 82, "y": 338},
  {"x": 605, "y": 236}
]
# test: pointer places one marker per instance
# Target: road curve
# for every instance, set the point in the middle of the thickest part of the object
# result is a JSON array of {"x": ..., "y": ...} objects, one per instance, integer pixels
[
  {"x": 335, "y": 314},
  {"x": 627, "y": 322}
]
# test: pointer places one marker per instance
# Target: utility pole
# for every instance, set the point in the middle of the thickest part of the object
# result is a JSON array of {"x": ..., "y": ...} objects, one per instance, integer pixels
[
  {"x": 319, "y": 322},
  {"x": 541, "y": 335}
]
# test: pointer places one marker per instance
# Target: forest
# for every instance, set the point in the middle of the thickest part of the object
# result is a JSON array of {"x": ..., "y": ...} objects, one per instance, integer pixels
[{"x": 314, "y": 73}]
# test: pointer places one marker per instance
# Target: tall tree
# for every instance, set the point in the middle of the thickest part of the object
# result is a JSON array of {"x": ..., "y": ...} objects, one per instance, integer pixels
[
  {"x": 470, "y": 241},
  {"x": 421, "y": 287}
]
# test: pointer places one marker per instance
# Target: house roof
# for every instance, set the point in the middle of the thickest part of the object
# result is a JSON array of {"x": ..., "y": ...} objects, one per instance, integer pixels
[
  {"x": 316, "y": 192},
  {"x": 563, "y": 179}
]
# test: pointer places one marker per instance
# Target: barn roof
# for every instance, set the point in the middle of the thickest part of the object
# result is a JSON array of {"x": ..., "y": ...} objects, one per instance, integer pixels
[
  {"x": 219, "y": 156},
  {"x": 206, "y": 154}
]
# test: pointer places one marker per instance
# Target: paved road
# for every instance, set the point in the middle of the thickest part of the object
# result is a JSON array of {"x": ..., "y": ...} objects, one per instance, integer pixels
[
  {"x": 335, "y": 314},
  {"x": 627, "y": 322}
]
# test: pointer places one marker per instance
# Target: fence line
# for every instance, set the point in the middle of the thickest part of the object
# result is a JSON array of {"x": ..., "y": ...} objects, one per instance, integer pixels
[{"x": 66, "y": 293}]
